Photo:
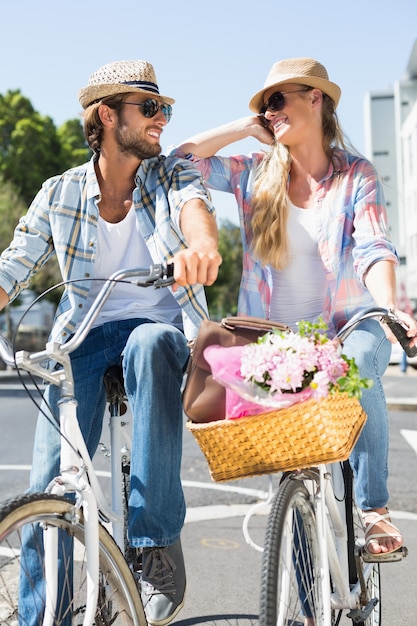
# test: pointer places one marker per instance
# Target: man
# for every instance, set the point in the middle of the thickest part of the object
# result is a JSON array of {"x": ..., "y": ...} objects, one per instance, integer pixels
[{"x": 127, "y": 207}]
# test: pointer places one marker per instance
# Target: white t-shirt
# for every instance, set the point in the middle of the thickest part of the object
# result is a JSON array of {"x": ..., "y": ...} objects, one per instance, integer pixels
[
  {"x": 298, "y": 291},
  {"x": 121, "y": 246}
]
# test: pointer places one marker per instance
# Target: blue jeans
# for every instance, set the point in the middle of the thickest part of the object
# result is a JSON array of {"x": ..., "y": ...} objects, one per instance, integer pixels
[
  {"x": 154, "y": 358},
  {"x": 369, "y": 458}
]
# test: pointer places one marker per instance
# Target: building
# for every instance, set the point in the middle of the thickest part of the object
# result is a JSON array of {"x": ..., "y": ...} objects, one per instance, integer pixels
[{"x": 391, "y": 145}]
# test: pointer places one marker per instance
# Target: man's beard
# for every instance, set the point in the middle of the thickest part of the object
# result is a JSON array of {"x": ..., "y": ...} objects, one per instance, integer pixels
[{"x": 129, "y": 143}]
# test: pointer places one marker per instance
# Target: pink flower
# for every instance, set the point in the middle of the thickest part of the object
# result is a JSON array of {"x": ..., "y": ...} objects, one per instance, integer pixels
[
  {"x": 282, "y": 369},
  {"x": 289, "y": 362}
]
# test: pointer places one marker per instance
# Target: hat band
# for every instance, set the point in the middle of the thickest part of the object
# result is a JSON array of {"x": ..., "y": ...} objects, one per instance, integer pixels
[{"x": 141, "y": 84}]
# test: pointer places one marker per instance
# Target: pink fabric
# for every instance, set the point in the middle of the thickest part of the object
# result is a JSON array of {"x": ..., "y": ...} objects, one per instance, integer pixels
[{"x": 243, "y": 398}]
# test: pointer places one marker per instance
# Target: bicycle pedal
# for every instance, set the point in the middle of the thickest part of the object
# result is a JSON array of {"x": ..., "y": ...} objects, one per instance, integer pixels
[{"x": 391, "y": 557}]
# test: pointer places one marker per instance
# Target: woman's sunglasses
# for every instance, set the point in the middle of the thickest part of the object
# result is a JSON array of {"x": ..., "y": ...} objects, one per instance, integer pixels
[
  {"x": 276, "y": 102},
  {"x": 151, "y": 107}
]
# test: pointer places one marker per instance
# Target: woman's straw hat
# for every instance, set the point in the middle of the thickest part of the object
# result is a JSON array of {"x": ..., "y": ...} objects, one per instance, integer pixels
[
  {"x": 121, "y": 77},
  {"x": 301, "y": 70}
]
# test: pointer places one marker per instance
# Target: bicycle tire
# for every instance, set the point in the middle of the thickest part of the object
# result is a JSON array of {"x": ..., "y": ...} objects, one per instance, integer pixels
[
  {"x": 355, "y": 534},
  {"x": 119, "y": 600},
  {"x": 291, "y": 585}
]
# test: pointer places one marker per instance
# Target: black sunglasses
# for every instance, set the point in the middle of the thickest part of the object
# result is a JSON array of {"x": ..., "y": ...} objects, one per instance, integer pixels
[
  {"x": 151, "y": 107},
  {"x": 276, "y": 102}
]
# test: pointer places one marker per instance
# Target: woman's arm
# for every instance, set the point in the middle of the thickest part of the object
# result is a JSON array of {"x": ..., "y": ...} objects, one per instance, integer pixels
[
  {"x": 380, "y": 281},
  {"x": 208, "y": 143}
]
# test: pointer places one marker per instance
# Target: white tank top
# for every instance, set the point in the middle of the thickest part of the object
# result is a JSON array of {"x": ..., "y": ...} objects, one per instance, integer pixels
[
  {"x": 298, "y": 291},
  {"x": 122, "y": 246}
]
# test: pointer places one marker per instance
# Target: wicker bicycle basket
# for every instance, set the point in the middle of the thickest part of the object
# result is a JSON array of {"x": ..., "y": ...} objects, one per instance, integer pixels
[{"x": 305, "y": 434}]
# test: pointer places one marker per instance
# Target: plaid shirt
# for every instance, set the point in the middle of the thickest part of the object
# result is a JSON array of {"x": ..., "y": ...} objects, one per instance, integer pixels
[
  {"x": 353, "y": 234},
  {"x": 63, "y": 218}
]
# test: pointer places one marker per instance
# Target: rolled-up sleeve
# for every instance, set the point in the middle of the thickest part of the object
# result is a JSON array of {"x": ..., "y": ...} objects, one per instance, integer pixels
[
  {"x": 187, "y": 183},
  {"x": 371, "y": 233}
]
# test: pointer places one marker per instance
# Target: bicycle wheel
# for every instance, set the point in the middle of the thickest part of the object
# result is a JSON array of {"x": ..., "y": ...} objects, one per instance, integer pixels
[
  {"x": 119, "y": 601},
  {"x": 291, "y": 583},
  {"x": 371, "y": 597}
]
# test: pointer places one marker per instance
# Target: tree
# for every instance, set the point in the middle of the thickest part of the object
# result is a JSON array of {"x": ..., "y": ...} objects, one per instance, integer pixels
[
  {"x": 31, "y": 148},
  {"x": 74, "y": 149},
  {"x": 12, "y": 208},
  {"x": 223, "y": 295}
]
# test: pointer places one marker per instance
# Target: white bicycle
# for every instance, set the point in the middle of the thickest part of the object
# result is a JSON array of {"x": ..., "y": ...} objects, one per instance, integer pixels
[
  {"x": 314, "y": 563},
  {"x": 88, "y": 573}
]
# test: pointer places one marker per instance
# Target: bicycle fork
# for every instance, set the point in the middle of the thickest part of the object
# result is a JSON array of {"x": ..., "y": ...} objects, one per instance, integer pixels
[
  {"x": 322, "y": 532},
  {"x": 330, "y": 510},
  {"x": 331, "y": 542},
  {"x": 73, "y": 479}
]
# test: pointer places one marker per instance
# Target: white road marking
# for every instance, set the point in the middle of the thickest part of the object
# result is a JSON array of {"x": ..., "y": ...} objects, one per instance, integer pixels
[
  {"x": 224, "y": 511},
  {"x": 411, "y": 438}
]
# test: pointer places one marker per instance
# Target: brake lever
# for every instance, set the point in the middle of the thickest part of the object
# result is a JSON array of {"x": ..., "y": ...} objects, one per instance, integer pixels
[
  {"x": 159, "y": 276},
  {"x": 167, "y": 277},
  {"x": 400, "y": 331}
]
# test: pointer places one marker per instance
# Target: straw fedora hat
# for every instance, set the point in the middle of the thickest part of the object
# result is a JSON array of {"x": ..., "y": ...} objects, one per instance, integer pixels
[
  {"x": 301, "y": 70},
  {"x": 121, "y": 77}
]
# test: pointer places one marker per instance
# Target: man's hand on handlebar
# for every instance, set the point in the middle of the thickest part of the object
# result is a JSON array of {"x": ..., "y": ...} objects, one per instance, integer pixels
[{"x": 196, "y": 266}]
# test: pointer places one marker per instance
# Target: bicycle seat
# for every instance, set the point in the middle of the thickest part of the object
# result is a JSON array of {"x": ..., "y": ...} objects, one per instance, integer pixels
[{"x": 114, "y": 386}]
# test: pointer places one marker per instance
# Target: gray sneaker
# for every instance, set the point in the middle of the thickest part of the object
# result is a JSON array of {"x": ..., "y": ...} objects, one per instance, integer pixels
[{"x": 162, "y": 583}]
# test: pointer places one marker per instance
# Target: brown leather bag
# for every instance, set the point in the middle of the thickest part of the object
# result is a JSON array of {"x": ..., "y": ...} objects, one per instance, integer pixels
[{"x": 204, "y": 399}]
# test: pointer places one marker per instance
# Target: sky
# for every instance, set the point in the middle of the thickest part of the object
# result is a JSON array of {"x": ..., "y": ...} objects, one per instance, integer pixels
[{"x": 212, "y": 57}]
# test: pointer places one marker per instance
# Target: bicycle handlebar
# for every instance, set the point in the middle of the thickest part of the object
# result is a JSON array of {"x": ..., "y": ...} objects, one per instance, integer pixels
[
  {"x": 161, "y": 276},
  {"x": 385, "y": 316},
  {"x": 155, "y": 275}
]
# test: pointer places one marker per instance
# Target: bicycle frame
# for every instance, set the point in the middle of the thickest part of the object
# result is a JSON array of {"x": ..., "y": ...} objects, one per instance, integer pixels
[
  {"x": 321, "y": 568},
  {"x": 332, "y": 537},
  {"x": 77, "y": 474}
]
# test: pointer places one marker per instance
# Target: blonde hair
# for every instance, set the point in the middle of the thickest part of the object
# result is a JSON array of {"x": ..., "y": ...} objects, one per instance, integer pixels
[{"x": 270, "y": 192}]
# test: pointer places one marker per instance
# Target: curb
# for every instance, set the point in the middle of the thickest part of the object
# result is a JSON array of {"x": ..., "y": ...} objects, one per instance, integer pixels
[{"x": 402, "y": 404}]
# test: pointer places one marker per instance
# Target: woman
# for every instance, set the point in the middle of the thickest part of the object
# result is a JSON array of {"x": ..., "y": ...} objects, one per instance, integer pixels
[{"x": 315, "y": 242}]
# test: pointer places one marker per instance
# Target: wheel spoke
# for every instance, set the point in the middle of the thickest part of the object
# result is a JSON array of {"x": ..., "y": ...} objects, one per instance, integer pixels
[
  {"x": 21, "y": 556},
  {"x": 291, "y": 578}
]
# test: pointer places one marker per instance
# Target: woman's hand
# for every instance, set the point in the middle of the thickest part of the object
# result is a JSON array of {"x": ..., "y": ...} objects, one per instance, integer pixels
[
  {"x": 267, "y": 134},
  {"x": 409, "y": 323}
]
